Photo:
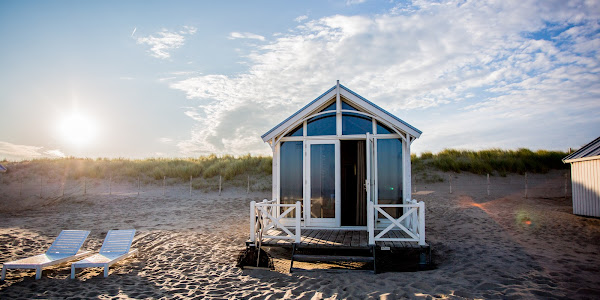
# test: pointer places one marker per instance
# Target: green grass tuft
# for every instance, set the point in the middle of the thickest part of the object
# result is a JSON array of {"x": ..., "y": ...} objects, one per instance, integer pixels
[{"x": 491, "y": 161}]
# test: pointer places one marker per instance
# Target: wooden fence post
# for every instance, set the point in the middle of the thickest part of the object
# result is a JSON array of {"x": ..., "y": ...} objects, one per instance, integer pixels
[
  {"x": 110, "y": 184},
  {"x": 219, "y": 185},
  {"x": 566, "y": 182},
  {"x": 63, "y": 187},
  {"x": 190, "y": 186},
  {"x": 138, "y": 185},
  {"x": 526, "y": 185},
  {"x": 450, "y": 179},
  {"x": 248, "y": 191},
  {"x": 488, "y": 184},
  {"x": 41, "y": 186},
  {"x": 164, "y": 184}
]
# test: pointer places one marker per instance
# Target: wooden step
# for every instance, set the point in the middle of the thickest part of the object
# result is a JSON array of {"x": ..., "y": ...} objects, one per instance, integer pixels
[{"x": 312, "y": 258}]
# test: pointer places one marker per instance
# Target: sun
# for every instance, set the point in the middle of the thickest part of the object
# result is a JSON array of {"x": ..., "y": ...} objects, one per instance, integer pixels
[{"x": 77, "y": 129}]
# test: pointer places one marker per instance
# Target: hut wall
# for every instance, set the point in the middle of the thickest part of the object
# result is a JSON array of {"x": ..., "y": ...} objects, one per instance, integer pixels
[{"x": 586, "y": 187}]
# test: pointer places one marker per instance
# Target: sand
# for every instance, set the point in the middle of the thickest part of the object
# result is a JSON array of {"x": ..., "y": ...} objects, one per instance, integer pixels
[{"x": 501, "y": 246}]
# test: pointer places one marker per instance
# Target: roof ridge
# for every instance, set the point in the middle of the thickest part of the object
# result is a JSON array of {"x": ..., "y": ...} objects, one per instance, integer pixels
[
  {"x": 298, "y": 111},
  {"x": 585, "y": 151},
  {"x": 383, "y": 110}
]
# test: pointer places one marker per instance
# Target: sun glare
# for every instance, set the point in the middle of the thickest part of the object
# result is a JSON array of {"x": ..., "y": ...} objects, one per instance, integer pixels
[{"x": 77, "y": 129}]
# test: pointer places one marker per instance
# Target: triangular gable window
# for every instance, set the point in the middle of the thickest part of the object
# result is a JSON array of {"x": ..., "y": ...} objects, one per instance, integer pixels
[
  {"x": 329, "y": 107},
  {"x": 347, "y": 106},
  {"x": 296, "y": 132},
  {"x": 382, "y": 129}
]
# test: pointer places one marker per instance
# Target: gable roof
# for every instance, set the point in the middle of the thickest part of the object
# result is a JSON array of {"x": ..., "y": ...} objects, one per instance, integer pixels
[
  {"x": 587, "y": 152},
  {"x": 352, "y": 97}
]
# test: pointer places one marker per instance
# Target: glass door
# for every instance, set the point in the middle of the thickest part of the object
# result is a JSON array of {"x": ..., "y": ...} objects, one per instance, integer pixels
[{"x": 322, "y": 183}]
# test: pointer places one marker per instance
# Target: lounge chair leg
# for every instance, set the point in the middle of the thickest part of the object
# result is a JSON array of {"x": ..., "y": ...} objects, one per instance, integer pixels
[
  {"x": 106, "y": 271},
  {"x": 38, "y": 273},
  {"x": 72, "y": 272},
  {"x": 3, "y": 273}
]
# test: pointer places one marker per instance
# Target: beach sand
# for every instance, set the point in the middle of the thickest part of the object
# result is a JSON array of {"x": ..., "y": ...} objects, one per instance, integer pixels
[{"x": 502, "y": 246}]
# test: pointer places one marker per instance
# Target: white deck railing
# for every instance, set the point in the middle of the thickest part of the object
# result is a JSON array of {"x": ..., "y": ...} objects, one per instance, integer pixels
[
  {"x": 413, "y": 219},
  {"x": 263, "y": 217}
]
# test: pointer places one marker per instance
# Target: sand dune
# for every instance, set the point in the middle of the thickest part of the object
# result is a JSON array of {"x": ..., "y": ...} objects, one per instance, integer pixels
[{"x": 497, "y": 247}]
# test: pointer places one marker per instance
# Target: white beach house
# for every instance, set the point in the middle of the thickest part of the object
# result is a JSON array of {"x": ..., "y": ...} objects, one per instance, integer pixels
[
  {"x": 341, "y": 178},
  {"x": 585, "y": 179}
]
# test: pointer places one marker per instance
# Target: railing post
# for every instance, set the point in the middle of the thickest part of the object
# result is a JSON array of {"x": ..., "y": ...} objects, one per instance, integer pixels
[
  {"x": 370, "y": 222},
  {"x": 415, "y": 218},
  {"x": 422, "y": 223},
  {"x": 298, "y": 208},
  {"x": 252, "y": 221}
]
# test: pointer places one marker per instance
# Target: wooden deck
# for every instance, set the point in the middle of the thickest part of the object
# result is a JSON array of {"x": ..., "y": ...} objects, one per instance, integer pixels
[{"x": 337, "y": 239}]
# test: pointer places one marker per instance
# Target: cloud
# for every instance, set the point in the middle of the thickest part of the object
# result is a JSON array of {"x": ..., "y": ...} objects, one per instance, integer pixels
[
  {"x": 301, "y": 18},
  {"x": 353, "y": 2},
  {"x": 163, "y": 42},
  {"x": 245, "y": 35},
  {"x": 165, "y": 140},
  {"x": 54, "y": 153},
  {"x": 487, "y": 69},
  {"x": 19, "y": 152}
]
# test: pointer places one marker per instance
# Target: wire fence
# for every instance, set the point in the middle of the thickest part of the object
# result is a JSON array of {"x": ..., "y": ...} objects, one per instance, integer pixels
[
  {"x": 527, "y": 185},
  {"x": 15, "y": 187},
  {"x": 52, "y": 187}
]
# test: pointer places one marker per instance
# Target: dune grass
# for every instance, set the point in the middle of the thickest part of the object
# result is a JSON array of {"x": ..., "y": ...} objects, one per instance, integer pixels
[
  {"x": 153, "y": 168},
  {"x": 236, "y": 170},
  {"x": 491, "y": 161}
]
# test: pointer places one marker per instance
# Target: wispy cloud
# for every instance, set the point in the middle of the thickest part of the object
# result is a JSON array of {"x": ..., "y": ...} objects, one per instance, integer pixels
[
  {"x": 163, "y": 42},
  {"x": 245, "y": 35},
  {"x": 353, "y": 2},
  {"x": 301, "y": 18},
  {"x": 165, "y": 140},
  {"x": 54, "y": 153},
  {"x": 480, "y": 70},
  {"x": 133, "y": 32},
  {"x": 19, "y": 152}
]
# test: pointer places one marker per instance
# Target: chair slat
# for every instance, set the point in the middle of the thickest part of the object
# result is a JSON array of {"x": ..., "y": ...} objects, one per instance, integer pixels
[
  {"x": 117, "y": 241},
  {"x": 68, "y": 242}
]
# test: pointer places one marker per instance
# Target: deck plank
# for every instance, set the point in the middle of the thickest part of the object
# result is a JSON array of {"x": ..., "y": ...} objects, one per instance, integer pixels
[
  {"x": 319, "y": 237},
  {"x": 348, "y": 238},
  {"x": 364, "y": 241},
  {"x": 355, "y": 239},
  {"x": 339, "y": 239},
  {"x": 332, "y": 236},
  {"x": 310, "y": 235}
]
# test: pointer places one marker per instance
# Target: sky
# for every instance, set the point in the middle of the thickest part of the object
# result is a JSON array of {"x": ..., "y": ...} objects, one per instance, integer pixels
[{"x": 137, "y": 79}]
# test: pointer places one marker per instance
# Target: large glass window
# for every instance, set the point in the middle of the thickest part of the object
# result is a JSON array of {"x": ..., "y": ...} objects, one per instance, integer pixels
[
  {"x": 353, "y": 123},
  {"x": 321, "y": 125},
  {"x": 296, "y": 132},
  {"x": 389, "y": 174},
  {"x": 291, "y": 169}
]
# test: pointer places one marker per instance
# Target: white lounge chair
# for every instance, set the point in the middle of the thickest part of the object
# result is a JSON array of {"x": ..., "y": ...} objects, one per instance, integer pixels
[
  {"x": 65, "y": 248},
  {"x": 114, "y": 248}
]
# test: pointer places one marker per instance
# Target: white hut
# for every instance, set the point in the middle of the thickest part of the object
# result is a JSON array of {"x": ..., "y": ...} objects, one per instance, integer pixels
[
  {"x": 341, "y": 178},
  {"x": 585, "y": 179}
]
